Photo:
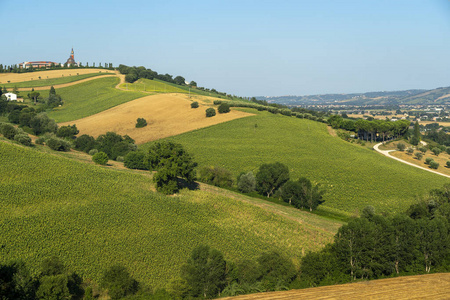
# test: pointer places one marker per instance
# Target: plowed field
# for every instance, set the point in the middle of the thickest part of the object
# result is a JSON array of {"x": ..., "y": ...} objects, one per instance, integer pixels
[{"x": 166, "y": 115}]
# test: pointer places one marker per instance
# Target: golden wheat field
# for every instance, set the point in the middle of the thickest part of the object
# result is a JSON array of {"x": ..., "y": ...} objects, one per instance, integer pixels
[
  {"x": 431, "y": 286},
  {"x": 20, "y": 77},
  {"x": 166, "y": 115}
]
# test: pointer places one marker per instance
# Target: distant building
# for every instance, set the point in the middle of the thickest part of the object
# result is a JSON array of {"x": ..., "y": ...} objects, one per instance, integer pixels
[
  {"x": 71, "y": 60},
  {"x": 11, "y": 97},
  {"x": 37, "y": 64}
]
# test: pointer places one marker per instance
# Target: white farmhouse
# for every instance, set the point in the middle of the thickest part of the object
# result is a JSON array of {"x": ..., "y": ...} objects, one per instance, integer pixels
[{"x": 11, "y": 97}]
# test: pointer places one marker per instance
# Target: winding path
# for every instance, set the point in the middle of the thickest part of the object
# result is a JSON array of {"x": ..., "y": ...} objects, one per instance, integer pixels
[{"x": 386, "y": 153}]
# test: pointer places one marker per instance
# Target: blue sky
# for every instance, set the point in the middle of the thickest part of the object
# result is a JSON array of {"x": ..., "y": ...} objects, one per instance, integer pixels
[{"x": 247, "y": 48}]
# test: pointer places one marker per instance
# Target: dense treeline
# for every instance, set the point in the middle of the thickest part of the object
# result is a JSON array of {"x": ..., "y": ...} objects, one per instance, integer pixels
[{"x": 438, "y": 136}]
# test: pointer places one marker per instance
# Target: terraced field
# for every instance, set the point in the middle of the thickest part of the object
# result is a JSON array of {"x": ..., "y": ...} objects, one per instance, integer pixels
[
  {"x": 351, "y": 175},
  {"x": 94, "y": 217}
]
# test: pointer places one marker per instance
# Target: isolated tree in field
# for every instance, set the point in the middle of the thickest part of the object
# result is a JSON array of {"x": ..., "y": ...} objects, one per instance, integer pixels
[
  {"x": 210, "y": 112},
  {"x": 271, "y": 177},
  {"x": 141, "y": 122},
  {"x": 171, "y": 161},
  {"x": 194, "y": 104},
  {"x": 223, "y": 108},
  {"x": 205, "y": 272},
  {"x": 118, "y": 282}
]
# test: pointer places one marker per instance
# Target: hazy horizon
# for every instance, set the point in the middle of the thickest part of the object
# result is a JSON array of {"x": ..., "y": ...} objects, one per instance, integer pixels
[{"x": 247, "y": 48}]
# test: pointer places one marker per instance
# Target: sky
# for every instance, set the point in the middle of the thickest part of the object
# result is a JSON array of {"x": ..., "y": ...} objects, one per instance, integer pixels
[{"x": 246, "y": 48}]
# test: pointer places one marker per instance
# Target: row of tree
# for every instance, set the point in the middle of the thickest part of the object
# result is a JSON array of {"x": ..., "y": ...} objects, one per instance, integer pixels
[{"x": 15, "y": 68}]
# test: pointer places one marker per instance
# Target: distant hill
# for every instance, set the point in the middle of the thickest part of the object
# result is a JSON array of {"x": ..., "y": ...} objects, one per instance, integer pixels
[{"x": 435, "y": 96}]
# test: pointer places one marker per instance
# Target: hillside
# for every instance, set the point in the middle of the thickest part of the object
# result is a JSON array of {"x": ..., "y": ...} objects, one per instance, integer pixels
[
  {"x": 352, "y": 176},
  {"x": 93, "y": 217},
  {"x": 434, "y": 96},
  {"x": 166, "y": 115},
  {"x": 431, "y": 286}
]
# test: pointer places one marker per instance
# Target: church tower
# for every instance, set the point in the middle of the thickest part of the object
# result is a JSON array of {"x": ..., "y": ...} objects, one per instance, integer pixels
[{"x": 71, "y": 60}]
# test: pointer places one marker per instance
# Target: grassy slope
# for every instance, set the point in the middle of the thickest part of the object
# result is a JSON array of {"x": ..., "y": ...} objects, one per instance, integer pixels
[
  {"x": 53, "y": 81},
  {"x": 153, "y": 86},
  {"x": 88, "y": 98},
  {"x": 93, "y": 217},
  {"x": 353, "y": 177}
]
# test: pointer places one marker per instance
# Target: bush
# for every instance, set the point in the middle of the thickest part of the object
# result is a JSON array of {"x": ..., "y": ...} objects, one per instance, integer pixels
[
  {"x": 8, "y": 131},
  {"x": 210, "y": 112},
  {"x": 135, "y": 160},
  {"x": 58, "y": 144},
  {"x": 410, "y": 150},
  {"x": 100, "y": 158},
  {"x": 401, "y": 146},
  {"x": 428, "y": 160},
  {"x": 141, "y": 122},
  {"x": 419, "y": 155},
  {"x": 118, "y": 282},
  {"x": 448, "y": 163},
  {"x": 194, "y": 104},
  {"x": 223, "y": 108},
  {"x": 85, "y": 143},
  {"x": 422, "y": 149},
  {"x": 120, "y": 158},
  {"x": 40, "y": 141},
  {"x": 434, "y": 165},
  {"x": 68, "y": 131},
  {"x": 247, "y": 183},
  {"x": 23, "y": 138},
  {"x": 217, "y": 176},
  {"x": 93, "y": 151},
  {"x": 436, "y": 151},
  {"x": 217, "y": 102}
]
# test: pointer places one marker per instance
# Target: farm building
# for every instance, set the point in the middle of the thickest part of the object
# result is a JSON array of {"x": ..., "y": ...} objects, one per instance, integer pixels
[
  {"x": 11, "y": 97},
  {"x": 37, "y": 64}
]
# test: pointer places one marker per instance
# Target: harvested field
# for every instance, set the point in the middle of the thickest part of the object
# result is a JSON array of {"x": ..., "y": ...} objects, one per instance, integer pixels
[
  {"x": 431, "y": 286},
  {"x": 166, "y": 115},
  {"x": 19, "y": 77}
]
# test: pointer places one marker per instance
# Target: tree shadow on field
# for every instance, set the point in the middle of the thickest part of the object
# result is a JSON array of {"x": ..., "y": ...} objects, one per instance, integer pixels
[{"x": 182, "y": 184}]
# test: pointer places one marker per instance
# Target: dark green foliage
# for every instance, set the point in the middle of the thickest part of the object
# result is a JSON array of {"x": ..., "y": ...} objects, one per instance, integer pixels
[
  {"x": 93, "y": 151},
  {"x": 434, "y": 165},
  {"x": 276, "y": 271},
  {"x": 217, "y": 102},
  {"x": 23, "y": 138},
  {"x": 179, "y": 80},
  {"x": 118, "y": 282},
  {"x": 52, "y": 266},
  {"x": 100, "y": 158},
  {"x": 41, "y": 123},
  {"x": 16, "y": 282},
  {"x": 69, "y": 131},
  {"x": 419, "y": 155},
  {"x": 210, "y": 112},
  {"x": 223, "y": 108},
  {"x": 14, "y": 116},
  {"x": 54, "y": 101},
  {"x": 58, "y": 144},
  {"x": 114, "y": 145},
  {"x": 401, "y": 146},
  {"x": 448, "y": 163},
  {"x": 85, "y": 143},
  {"x": 247, "y": 182},
  {"x": 436, "y": 151},
  {"x": 422, "y": 149},
  {"x": 320, "y": 267},
  {"x": 271, "y": 177},
  {"x": 194, "y": 104},
  {"x": 217, "y": 176},
  {"x": 8, "y": 131},
  {"x": 171, "y": 161},
  {"x": 428, "y": 160},
  {"x": 135, "y": 160},
  {"x": 141, "y": 122},
  {"x": 131, "y": 77},
  {"x": 302, "y": 194},
  {"x": 205, "y": 272}
]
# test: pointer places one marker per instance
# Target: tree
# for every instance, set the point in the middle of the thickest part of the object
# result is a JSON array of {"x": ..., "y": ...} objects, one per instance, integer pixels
[
  {"x": 58, "y": 144},
  {"x": 302, "y": 193},
  {"x": 106, "y": 143},
  {"x": 276, "y": 270},
  {"x": 419, "y": 155},
  {"x": 436, "y": 151},
  {"x": 69, "y": 131},
  {"x": 205, "y": 272},
  {"x": 401, "y": 146},
  {"x": 135, "y": 160},
  {"x": 210, "y": 112},
  {"x": 141, "y": 122},
  {"x": 100, "y": 158},
  {"x": 8, "y": 131},
  {"x": 34, "y": 96},
  {"x": 246, "y": 182},
  {"x": 193, "y": 83},
  {"x": 119, "y": 282},
  {"x": 171, "y": 161},
  {"x": 179, "y": 80},
  {"x": 41, "y": 123},
  {"x": 131, "y": 77},
  {"x": 271, "y": 177},
  {"x": 194, "y": 104},
  {"x": 416, "y": 137},
  {"x": 85, "y": 143},
  {"x": 223, "y": 108},
  {"x": 217, "y": 176}
]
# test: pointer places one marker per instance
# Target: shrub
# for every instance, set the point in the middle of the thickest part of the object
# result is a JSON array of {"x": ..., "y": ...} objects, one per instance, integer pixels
[
  {"x": 85, "y": 143},
  {"x": 68, "y": 131},
  {"x": 8, "y": 131},
  {"x": 93, "y": 151},
  {"x": 247, "y": 182},
  {"x": 100, "y": 158},
  {"x": 23, "y": 138},
  {"x": 448, "y": 150},
  {"x": 58, "y": 144},
  {"x": 120, "y": 158},
  {"x": 401, "y": 146},
  {"x": 217, "y": 102},
  {"x": 410, "y": 150},
  {"x": 194, "y": 104},
  {"x": 210, "y": 112},
  {"x": 40, "y": 141},
  {"x": 448, "y": 163},
  {"x": 217, "y": 176},
  {"x": 436, "y": 151},
  {"x": 223, "y": 108},
  {"x": 419, "y": 155},
  {"x": 428, "y": 160},
  {"x": 434, "y": 165},
  {"x": 118, "y": 282},
  {"x": 141, "y": 122},
  {"x": 422, "y": 149},
  {"x": 135, "y": 160}
]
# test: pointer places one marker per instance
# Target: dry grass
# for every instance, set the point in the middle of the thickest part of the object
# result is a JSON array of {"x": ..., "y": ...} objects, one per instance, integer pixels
[
  {"x": 19, "y": 77},
  {"x": 166, "y": 115},
  {"x": 431, "y": 286}
]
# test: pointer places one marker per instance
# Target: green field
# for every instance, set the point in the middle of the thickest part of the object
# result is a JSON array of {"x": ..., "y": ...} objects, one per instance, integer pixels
[
  {"x": 52, "y": 81},
  {"x": 91, "y": 97},
  {"x": 94, "y": 217},
  {"x": 352, "y": 176},
  {"x": 153, "y": 86}
]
